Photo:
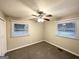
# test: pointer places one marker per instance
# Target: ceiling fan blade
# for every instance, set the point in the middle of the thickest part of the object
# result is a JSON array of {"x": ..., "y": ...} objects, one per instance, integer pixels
[
  {"x": 49, "y": 15},
  {"x": 34, "y": 15},
  {"x": 46, "y": 19},
  {"x": 34, "y": 19}
]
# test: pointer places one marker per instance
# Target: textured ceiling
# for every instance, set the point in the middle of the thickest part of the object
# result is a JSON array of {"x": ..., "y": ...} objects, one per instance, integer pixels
[{"x": 25, "y": 8}]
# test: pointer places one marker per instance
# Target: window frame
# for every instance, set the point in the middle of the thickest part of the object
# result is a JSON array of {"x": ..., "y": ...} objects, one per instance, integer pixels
[
  {"x": 21, "y": 35},
  {"x": 62, "y": 33}
]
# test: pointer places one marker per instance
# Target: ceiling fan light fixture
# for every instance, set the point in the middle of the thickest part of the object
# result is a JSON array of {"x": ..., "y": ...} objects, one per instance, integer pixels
[{"x": 40, "y": 20}]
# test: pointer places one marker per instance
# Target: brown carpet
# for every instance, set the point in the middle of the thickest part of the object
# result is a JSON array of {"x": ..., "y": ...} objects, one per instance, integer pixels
[{"x": 40, "y": 50}]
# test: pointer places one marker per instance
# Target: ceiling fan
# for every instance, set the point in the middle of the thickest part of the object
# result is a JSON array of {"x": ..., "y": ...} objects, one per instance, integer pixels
[{"x": 41, "y": 17}]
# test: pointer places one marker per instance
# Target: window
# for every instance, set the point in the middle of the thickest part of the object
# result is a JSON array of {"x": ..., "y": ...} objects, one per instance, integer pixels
[
  {"x": 19, "y": 29},
  {"x": 66, "y": 28}
]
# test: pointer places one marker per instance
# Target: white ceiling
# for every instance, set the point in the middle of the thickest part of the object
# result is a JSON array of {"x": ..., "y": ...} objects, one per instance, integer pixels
[{"x": 25, "y": 8}]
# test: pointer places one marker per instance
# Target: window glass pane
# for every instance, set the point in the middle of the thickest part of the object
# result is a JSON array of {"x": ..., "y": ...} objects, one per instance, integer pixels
[
  {"x": 19, "y": 27},
  {"x": 60, "y": 27},
  {"x": 70, "y": 27}
]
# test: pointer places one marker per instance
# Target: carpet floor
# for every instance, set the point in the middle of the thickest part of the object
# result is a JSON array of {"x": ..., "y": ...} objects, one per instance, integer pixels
[{"x": 40, "y": 50}]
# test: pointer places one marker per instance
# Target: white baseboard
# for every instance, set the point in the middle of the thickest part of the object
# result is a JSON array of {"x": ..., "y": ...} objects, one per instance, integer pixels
[
  {"x": 47, "y": 42},
  {"x": 63, "y": 48},
  {"x": 23, "y": 46}
]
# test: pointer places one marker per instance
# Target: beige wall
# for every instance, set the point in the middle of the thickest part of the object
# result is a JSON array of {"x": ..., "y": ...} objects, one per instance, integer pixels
[
  {"x": 36, "y": 34},
  {"x": 39, "y": 32},
  {"x": 71, "y": 45}
]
